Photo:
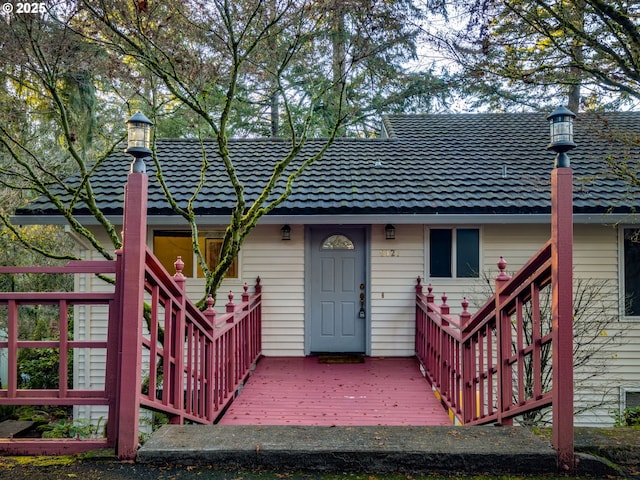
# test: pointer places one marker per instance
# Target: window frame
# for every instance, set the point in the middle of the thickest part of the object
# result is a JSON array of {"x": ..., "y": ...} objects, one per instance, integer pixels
[
  {"x": 454, "y": 252},
  {"x": 205, "y": 236},
  {"x": 622, "y": 284}
]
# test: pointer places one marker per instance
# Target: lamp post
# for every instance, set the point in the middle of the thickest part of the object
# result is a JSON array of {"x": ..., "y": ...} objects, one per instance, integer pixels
[
  {"x": 561, "y": 130},
  {"x": 131, "y": 274},
  {"x": 138, "y": 141}
]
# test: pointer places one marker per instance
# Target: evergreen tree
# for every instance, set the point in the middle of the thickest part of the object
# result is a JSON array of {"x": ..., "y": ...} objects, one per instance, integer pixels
[{"x": 539, "y": 53}]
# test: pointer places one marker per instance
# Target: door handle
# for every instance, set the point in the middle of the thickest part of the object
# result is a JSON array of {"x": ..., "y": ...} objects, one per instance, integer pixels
[{"x": 362, "y": 313}]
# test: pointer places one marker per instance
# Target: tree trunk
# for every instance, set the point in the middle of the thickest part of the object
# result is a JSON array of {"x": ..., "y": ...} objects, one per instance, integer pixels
[
  {"x": 275, "y": 113},
  {"x": 339, "y": 49},
  {"x": 576, "y": 72}
]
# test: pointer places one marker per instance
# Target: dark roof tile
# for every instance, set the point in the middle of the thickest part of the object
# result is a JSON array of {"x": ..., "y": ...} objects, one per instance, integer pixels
[{"x": 469, "y": 163}]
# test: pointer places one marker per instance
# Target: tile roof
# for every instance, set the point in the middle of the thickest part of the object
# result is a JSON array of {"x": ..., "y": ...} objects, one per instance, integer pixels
[{"x": 426, "y": 164}]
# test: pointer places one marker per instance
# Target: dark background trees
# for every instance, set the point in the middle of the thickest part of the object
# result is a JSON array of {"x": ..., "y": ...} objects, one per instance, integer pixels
[
  {"x": 288, "y": 68},
  {"x": 539, "y": 53}
]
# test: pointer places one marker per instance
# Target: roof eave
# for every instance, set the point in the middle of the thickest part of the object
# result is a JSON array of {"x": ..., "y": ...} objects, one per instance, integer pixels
[{"x": 359, "y": 219}]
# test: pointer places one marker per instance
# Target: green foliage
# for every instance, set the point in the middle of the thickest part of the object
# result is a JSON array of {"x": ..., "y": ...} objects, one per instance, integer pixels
[
  {"x": 80, "y": 428},
  {"x": 291, "y": 69},
  {"x": 40, "y": 414},
  {"x": 56, "y": 422},
  {"x": 38, "y": 368},
  {"x": 7, "y": 411},
  {"x": 154, "y": 420},
  {"x": 629, "y": 417},
  {"x": 536, "y": 53}
]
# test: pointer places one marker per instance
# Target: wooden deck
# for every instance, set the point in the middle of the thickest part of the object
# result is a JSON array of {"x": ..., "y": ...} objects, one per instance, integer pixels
[{"x": 303, "y": 391}]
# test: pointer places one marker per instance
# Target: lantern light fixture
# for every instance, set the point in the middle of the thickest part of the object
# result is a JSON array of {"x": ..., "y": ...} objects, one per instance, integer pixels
[
  {"x": 390, "y": 232},
  {"x": 139, "y": 141},
  {"x": 561, "y": 131},
  {"x": 286, "y": 232}
]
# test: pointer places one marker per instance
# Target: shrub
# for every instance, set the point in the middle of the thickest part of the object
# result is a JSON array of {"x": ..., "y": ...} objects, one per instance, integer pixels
[{"x": 630, "y": 417}]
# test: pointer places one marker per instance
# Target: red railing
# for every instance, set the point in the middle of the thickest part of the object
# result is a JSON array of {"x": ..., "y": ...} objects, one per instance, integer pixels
[
  {"x": 487, "y": 366},
  {"x": 195, "y": 360},
  {"x": 494, "y": 366},
  {"x": 61, "y": 394}
]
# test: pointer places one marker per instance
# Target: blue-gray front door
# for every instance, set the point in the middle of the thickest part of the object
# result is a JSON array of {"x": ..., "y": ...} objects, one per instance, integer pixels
[{"x": 337, "y": 310}]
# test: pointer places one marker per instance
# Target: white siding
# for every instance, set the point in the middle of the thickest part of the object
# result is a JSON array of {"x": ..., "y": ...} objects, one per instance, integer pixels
[
  {"x": 90, "y": 323},
  {"x": 596, "y": 383},
  {"x": 280, "y": 265},
  {"x": 395, "y": 265}
]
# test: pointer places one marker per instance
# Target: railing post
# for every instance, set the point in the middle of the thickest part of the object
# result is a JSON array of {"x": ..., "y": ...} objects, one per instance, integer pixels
[
  {"x": 134, "y": 234},
  {"x": 419, "y": 286},
  {"x": 177, "y": 391},
  {"x": 230, "y": 306},
  {"x": 209, "y": 312},
  {"x": 258, "y": 328},
  {"x": 465, "y": 316},
  {"x": 430, "y": 296},
  {"x": 114, "y": 340},
  {"x": 233, "y": 344},
  {"x": 245, "y": 296},
  {"x": 562, "y": 313},
  {"x": 503, "y": 328},
  {"x": 468, "y": 387}
]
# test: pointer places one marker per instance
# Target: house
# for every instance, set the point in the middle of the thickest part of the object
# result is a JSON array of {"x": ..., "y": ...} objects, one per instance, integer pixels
[{"x": 437, "y": 196}]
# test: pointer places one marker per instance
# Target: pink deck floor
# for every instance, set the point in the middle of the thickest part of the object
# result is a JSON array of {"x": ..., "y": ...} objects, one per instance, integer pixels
[{"x": 302, "y": 391}]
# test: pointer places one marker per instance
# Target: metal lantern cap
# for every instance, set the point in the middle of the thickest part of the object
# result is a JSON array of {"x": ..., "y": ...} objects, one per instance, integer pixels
[
  {"x": 139, "y": 136},
  {"x": 561, "y": 130}
]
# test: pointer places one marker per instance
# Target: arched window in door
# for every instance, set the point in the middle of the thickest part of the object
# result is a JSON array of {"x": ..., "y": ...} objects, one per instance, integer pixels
[{"x": 337, "y": 242}]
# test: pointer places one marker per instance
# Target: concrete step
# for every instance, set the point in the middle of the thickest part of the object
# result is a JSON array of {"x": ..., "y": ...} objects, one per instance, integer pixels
[{"x": 434, "y": 449}]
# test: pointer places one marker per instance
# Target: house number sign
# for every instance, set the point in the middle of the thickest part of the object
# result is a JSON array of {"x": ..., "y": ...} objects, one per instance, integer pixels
[{"x": 389, "y": 253}]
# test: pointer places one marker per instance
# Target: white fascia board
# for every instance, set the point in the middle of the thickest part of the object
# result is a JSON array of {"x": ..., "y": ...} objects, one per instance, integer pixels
[{"x": 431, "y": 219}]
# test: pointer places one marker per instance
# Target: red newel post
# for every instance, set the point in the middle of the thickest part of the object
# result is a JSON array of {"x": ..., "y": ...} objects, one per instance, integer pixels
[
  {"x": 179, "y": 277},
  {"x": 230, "y": 306},
  {"x": 561, "y": 123},
  {"x": 465, "y": 316},
  {"x": 209, "y": 312},
  {"x": 562, "y": 314},
  {"x": 132, "y": 313},
  {"x": 134, "y": 232},
  {"x": 503, "y": 330},
  {"x": 177, "y": 345},
  {"x": 468, "y": 387},
  {"x": 444, "y": 307}
]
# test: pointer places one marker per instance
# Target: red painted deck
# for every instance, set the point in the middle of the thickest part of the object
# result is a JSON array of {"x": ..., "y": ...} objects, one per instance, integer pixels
[{"x": 302, "y": 391}]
